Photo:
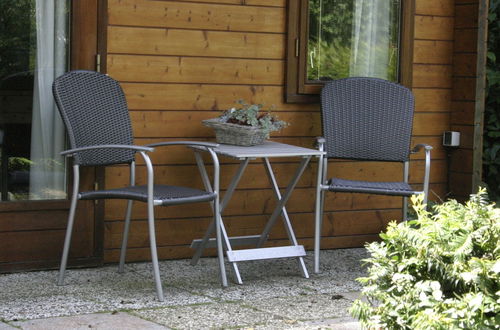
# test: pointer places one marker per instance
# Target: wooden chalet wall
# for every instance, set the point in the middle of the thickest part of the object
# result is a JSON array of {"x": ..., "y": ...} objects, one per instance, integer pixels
[
  {"x": 183, "y": 61},
  {"x": 464, "y": 96}
]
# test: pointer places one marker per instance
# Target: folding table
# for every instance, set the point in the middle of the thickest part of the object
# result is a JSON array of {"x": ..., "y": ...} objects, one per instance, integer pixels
[{"x": 244, "y": 155}]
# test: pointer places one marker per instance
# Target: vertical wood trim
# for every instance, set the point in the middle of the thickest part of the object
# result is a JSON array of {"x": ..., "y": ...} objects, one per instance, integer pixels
[
  {"x": 85, "y": 41},
  {"x": 303, "y": 56},
  {"x": 83, "y": 34},
  {"x": 406, "y": 43},
  {"x": 102, "y": 32},
  {"x": 482, "y": 49},
  {"x": 292, "y": 60}
]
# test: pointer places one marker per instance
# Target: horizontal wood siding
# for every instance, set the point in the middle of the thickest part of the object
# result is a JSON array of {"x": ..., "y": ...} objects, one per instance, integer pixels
[{"x": 184, "y": 61}]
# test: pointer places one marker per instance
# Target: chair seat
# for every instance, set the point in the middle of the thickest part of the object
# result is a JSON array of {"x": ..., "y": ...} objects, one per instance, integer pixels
[
  {"x": 163, "y": 194},
  {"x": 369, "y": 187}
]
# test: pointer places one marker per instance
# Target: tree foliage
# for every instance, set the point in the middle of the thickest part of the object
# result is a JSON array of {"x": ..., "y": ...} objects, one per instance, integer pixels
[
  {"x": 17, "y": 36},
  {"x": 491, "y": 154},
  {"x": 441, "y": 271},
  {"x": 331, "y": 32}
]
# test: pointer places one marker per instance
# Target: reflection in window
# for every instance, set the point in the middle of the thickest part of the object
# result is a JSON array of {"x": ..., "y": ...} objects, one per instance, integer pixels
[
  {"x": 349, "y": 38},
  {"x": 33, "y": 51}
]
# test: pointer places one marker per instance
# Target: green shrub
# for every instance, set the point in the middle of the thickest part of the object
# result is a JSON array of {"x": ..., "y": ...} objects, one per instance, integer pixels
[{"x": 440, "y": 271}]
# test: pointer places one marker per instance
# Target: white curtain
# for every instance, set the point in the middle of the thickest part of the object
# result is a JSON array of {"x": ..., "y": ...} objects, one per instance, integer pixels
[
  {"x": 47, "y": 175},
  {"x": 371, "y": 34}
]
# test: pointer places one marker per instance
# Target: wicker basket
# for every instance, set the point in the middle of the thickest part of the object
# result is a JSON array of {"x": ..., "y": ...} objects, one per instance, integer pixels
[{"x": 239, "y": 135}]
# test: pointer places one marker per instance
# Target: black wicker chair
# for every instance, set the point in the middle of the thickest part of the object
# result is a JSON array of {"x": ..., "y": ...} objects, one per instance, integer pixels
[
  {"x": 366, "y": 119},
  {"x": 95, "y": 113}
]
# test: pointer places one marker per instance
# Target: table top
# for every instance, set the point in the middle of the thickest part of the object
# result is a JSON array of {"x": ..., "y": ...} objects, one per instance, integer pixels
[{"x": 268, "y": 149}]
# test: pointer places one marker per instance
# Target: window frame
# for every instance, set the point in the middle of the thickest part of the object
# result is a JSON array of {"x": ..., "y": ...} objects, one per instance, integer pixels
[{"x": 297, "y": 89}]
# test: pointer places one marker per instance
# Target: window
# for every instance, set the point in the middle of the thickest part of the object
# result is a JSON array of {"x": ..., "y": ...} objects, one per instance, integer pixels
[
  {"x": 34, "y": 46},
  {"x": 333, "y": 39}
]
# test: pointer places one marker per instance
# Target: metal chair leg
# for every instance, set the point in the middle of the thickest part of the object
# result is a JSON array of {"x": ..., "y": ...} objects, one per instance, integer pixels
[
  {"x": 151, "y": 227},
  {"x": 318, "y": 209},
  {"x": 69, "y": 229},
  {"x": 126, "y": 229},
  {"x": 154, "y": 253},
  {"x": 318, "y": 219}
]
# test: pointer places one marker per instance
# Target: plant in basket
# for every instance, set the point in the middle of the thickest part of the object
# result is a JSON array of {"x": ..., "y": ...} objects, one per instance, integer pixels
[{"x": 245, "y": 125}]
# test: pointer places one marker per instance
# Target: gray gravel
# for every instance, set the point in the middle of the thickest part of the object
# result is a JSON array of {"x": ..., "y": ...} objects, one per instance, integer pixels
[{"x": 273, "y": 296}]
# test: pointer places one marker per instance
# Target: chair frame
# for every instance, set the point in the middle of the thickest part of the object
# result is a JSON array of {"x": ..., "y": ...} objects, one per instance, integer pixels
[
  {"x": 151, "y": 203},
  {"x": 322, "y": 186},
  {"x": 146, "y": 195}
]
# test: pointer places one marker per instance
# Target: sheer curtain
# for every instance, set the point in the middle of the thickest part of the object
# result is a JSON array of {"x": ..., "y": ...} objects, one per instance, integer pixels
[
  {"x": 47, "y": 175},
  {"x": 371, "y": 36}
]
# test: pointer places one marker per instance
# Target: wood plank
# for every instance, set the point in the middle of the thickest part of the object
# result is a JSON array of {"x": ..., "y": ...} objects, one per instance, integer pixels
[
  {"x": 461, "y": 160},
  {"x": 182, "y": 232},
  {"x": 180, "y": 155},
  {"x": 427, "y": 123},
  {"x": 43, "y": 245},
  {"x": 213, "y": 16},
  {"x": 464, "y": 64},
  {"x": 302, "y": 199},
  {"x": 262, "y": 202},
  {"x": 465, "y": 41},
  {"x": 431, "y": 99},
  {"x": 434, "y": 28},
  {"x": 188, "y": 124},
  {"x": 33, "y": 220},
  {"x": 234, "y": 2},
  {"x": 255, "y": 177},
  {"x": 466, "y": 135},
  {"x": 184, "y": 251},
  {"x": 195, "y": 70},
  {"x": 206, "y": 97},
  {"x": 187, "y": 175},
  {"x": 267, "y": 3},
  {"x": 276, "y": 3},
  {"x": 159, "y": 41},
  {"x": 463, "y": 112},
  {"x": 432, "y": 76},
  {"x": 435, "y": 7},
  {"x": 464, "y": 88},
  {"x": 466, "y": 15},
  {"x": 433, "y": 52}
]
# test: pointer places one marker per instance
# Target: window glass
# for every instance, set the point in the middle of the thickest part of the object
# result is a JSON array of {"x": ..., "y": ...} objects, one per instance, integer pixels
[
  {"x": 349, "y": 38},
  {"x": 33, "y": 51}
]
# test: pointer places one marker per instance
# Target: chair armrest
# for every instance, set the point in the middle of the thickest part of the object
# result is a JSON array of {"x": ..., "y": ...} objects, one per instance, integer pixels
[
  {"x": 320, "y": 143},
  {"x": 70, "y": 152},
  {"x": 320, "y": 139},
  {"x": 421, "y": 146},
  {"x": 208, "y": 148},
  {"x": 186, "y": 143},
  {"x": 427, "y": 170}
]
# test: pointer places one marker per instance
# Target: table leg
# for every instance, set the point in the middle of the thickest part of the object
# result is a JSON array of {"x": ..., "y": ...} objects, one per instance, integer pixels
[
  {"x": 284, "y": 213},
  {"x": 223, "y": 204}
]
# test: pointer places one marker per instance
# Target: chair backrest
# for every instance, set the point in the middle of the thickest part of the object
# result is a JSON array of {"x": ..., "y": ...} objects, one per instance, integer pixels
[
  {"x": 94, "y": 110},
  {"x": 367, "y": 119}
]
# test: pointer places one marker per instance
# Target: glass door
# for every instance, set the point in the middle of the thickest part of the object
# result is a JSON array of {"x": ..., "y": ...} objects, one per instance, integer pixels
[
  {"x": 34, "y": 46},
  {"x": 40, "y": 40}
]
